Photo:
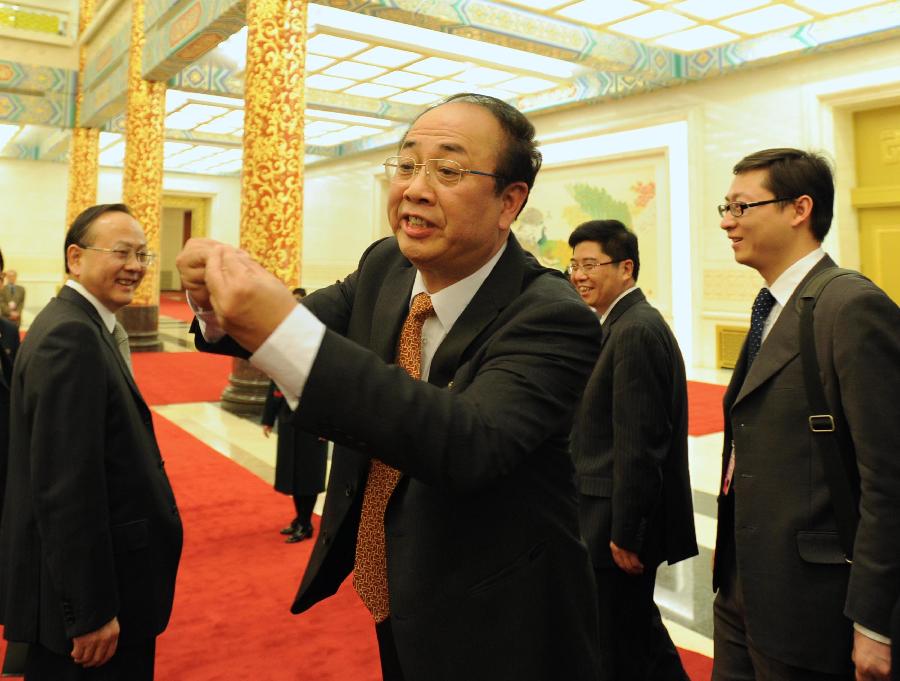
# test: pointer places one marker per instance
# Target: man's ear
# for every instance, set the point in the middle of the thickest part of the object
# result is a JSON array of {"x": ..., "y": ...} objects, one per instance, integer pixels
[
  {"x": 74, "y": 253},
  {"x": 802, "y": 207},
  {"x": 627, "y": 267},
  {"x": 513, "y": 197}
]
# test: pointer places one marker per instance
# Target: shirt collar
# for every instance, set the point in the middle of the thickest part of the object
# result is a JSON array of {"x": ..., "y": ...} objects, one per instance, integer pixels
[
  {"x": 783, "y": 288},
  {"x": 109, "y": 318},
  {"x": 450, "y": 302},
  {"x": 618, "y": 298}
]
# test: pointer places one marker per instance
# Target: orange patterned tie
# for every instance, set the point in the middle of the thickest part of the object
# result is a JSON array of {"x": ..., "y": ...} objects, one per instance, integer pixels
[{"x": 370, "y": 569}]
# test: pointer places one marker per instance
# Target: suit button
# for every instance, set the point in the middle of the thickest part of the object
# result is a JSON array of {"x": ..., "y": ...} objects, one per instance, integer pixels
[{"x": 348, "y": 491}]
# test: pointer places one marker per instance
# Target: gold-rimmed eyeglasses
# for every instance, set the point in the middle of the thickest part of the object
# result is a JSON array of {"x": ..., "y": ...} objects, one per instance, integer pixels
[
  {"x": 587, "y": 266},
  {"x": 446, "y": 171},
  {"x": 737, "y": 208},
  {"x": 144, "y": 258}
]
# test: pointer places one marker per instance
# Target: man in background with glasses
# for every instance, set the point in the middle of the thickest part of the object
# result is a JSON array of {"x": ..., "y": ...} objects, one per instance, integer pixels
[
  {"x": 451, "y": 497},
  {"x": 90, "y": 537},
  {"x": 629, "y": 444},
  {"x": 790, "y": 604}
]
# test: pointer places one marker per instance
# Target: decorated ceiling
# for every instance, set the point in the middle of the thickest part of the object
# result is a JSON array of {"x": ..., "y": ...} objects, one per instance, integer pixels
[{"x": 372, "y": 65}]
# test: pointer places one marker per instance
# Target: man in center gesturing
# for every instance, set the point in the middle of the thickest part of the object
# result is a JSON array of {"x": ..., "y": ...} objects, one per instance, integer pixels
[{"x": 446, "y": 369}]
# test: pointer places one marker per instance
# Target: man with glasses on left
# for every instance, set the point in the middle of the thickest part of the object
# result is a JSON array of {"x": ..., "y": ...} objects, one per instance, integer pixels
[{"x": 90, "y": 536}]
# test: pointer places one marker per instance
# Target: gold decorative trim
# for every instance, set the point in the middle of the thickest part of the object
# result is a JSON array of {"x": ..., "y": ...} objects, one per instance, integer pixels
[{"x": 272, "y": 179}]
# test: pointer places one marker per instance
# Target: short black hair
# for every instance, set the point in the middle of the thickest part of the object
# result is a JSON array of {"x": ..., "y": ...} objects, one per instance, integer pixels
[
  {"x": 793, "y": 173},
  {"x": 80, "y": 227},
  {"x": 616, "y": 240},
  {"x": 520, "y": 160},
  {"x": 299, "y": 291}
]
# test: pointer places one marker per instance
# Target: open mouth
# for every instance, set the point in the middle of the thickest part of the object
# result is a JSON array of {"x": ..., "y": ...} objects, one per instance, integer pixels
[{"x": 416, "y": 226}]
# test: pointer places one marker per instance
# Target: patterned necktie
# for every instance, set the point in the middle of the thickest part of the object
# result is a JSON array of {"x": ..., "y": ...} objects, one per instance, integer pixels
[
  {"x": 121, "y": 337},
  {"x": 762, "y": 306},
  {"x": 370, "y": 568}
]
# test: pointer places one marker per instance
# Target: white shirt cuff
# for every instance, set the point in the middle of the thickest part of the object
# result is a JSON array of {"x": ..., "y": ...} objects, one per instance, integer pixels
[
  {"x": 287, "y": 355},
  {"x": 871, "y": 634},
  {"x": 206, "y": 320}
]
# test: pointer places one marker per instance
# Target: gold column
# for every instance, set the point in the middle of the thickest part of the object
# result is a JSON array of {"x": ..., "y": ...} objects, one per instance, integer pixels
[
  {"x": 84, "y": 149},
  {"x": 272, "y": 180},
  {"x": 145, "y": 115}
]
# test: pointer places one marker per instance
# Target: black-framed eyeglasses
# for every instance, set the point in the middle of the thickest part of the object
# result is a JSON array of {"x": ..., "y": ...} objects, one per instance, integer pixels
[
  {"x": 144, "y": 258},
  {"x": 447, "y": 171},
  {"x": 588, "y": 266},
  {"x": 737, "y": 208}
]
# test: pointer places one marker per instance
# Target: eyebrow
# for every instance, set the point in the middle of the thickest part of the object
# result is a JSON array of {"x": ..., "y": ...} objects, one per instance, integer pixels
[
  {"x": 444, "y": 146},
  {"x": 130, "y": 244}
]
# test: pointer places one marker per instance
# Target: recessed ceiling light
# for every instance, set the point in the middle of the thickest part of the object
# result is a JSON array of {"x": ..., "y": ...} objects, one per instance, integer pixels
[
  {"x": 193, "y": 115},
  {"x": 481, "y": 75},
  {"x": 314, "y": 62},
  {"x": 316, "y": 128},
  {"x": 539, "y": 4},
  {"x": 444, "y": 87},
  {"x": 320, "y": 82},
  {"x": 333, "y": 46},
  {"x": 107, "y": 139},
  {"x": 372, "y": 90},
  {"x": 435, "y": 66},
  {"x": 698, "y": 38},
  {"x": 172, "y": 148},
  {"x": 350, "y": 69},
  {"x": 387, "y": 56},
  {"x": 414, "y": 97},
  {"x": 834, "y": 6},
  {"x": 402, "y": 79},
  {"x": 527, "y": 84},
  {"x": 715, "y": 9},
  {"x": 601, "y": 11},
  {"x": 347, "y": 118},
  {"x": 652, "y": 24},
  {"x": 766, "y": 19}
]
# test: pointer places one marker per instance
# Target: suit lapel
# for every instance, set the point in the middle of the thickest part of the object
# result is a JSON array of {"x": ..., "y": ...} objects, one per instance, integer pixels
[
  {"x": 71, "y": 295},
  {"x": 619, "y": 309},
  {"x": 502, "y": 285},
  {"x": 781, "y": 345},
  {"x": 391, "y": 309}
]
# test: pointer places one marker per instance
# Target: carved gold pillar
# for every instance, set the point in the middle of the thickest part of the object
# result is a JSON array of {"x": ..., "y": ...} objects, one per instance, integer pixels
[
  {"x": 84, "y": 148},
  {"x": 272, "y": 179},
  {"x": 142, "y": 178}
]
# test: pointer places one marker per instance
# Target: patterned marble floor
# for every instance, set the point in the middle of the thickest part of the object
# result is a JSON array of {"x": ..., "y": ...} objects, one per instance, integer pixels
[{"x": 683, "y": 591}]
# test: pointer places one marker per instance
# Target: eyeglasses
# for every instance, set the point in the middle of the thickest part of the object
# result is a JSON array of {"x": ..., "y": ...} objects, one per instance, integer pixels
[
  {"x": 737, "y": 208},
  {"x": 588, "y": 266},
  {"x": 144, "y": 258},
  {"x": 447, "y": 171}
]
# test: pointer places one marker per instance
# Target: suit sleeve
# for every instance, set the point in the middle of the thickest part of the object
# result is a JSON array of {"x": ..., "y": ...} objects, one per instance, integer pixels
[
  {"x": 66, "y": 393},
  {"x": 642, "y": 430},
  {"x": 466, "y": 437},
  {"x": 867, "y": 364}
]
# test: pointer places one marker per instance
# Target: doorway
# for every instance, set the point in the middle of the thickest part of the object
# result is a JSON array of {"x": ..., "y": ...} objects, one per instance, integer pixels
[{"x": 183, "y": 217}]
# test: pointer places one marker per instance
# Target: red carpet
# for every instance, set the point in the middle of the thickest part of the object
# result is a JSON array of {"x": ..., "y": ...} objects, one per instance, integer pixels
[
  {"x": 176, "y": 377},
  {"x": 705, "y": 408},
  {"x": 173, "y": 304},
  {"x": 238, "y": 578}
]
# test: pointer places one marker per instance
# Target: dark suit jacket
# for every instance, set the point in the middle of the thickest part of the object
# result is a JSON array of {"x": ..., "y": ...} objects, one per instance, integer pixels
[
  {"x": 488, "y": 577},
  {"x": 629, "y": 442},
  {"x": 90, "y": 529},
  {"x": 9, "y": 346},
  {"x": 800, "y": 595},
  {"x": 301, "y": 457}
]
